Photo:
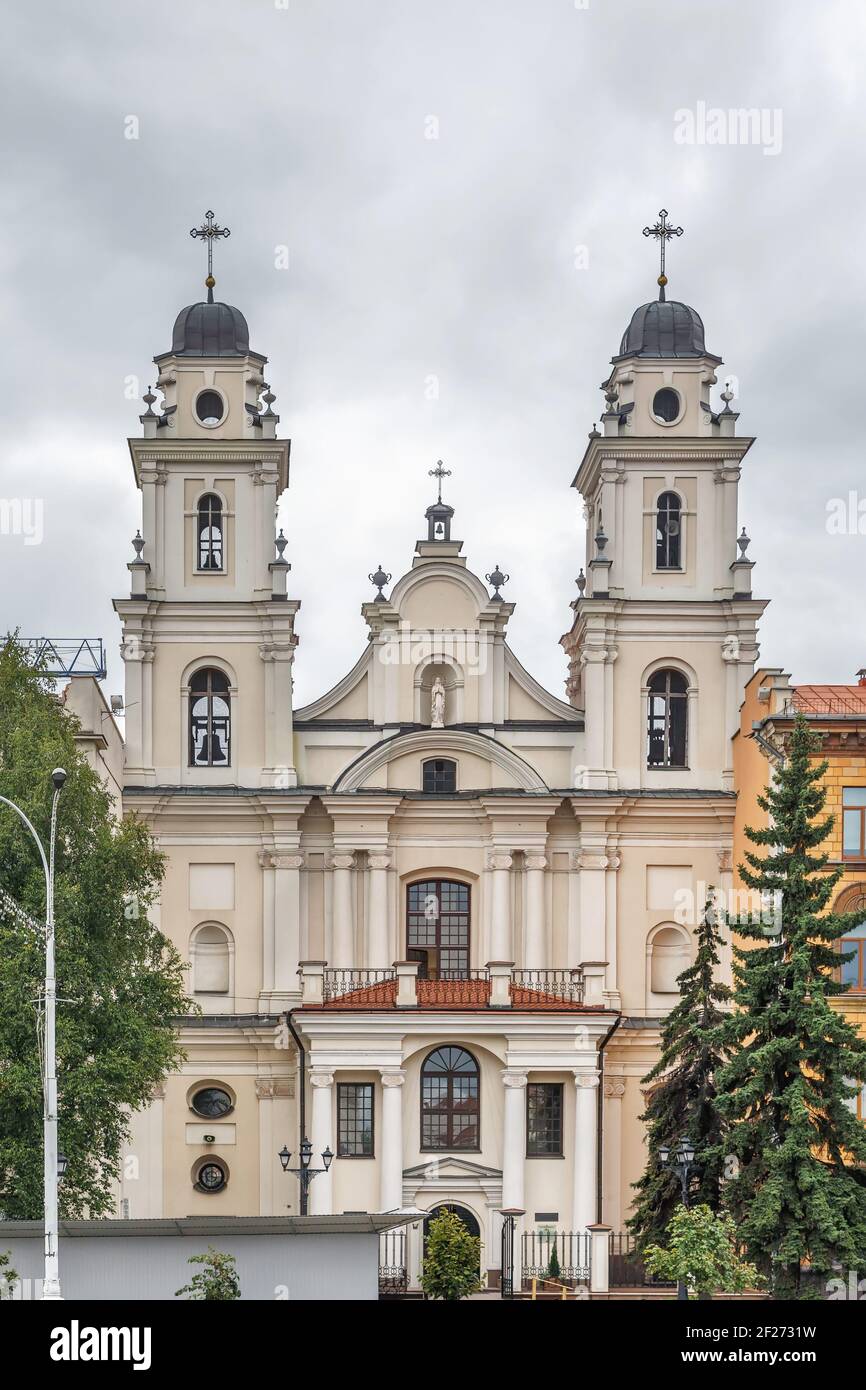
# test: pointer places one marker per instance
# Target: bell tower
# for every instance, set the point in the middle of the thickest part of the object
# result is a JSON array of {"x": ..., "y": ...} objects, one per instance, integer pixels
[
  {"x": 664, "y": 634},
  {"x": 208, "y": 628}
]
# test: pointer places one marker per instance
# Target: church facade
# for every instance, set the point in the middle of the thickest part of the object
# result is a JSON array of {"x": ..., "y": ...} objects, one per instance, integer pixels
[{"x": 434, "y": 917}]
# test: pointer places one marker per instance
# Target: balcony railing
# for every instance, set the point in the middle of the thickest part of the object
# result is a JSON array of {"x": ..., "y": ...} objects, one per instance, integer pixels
[
  {"x": 496, "y": 985},
  {"x": 558, "y": 984},
  {"x": 339, "y": 982},
  {"x": 482, "y": 973}
]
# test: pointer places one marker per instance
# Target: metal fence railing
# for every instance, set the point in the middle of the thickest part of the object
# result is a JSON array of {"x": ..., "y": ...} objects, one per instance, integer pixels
[
  {"x": 558, "y": 984},
  {"x": 626, "y": 1269},
  {"x": 392, "y": 1262},
  {"x": 337, "y": 983},
  {"x": 572, "y": 1262}
]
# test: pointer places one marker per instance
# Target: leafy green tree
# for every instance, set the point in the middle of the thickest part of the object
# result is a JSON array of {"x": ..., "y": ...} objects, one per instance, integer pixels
[
  {"x": 451, "y": 1259},
  {"x": 682, "y": 1103},
  {"x": 797, "y": 1188},
  {"x": 119, "y": 981},
  {"x": 700, "y": 1251},
  {"x": 553, "y": 1267},
  {"x": 8, "y": 1276},
  {"x": 218, "y": 1279}
]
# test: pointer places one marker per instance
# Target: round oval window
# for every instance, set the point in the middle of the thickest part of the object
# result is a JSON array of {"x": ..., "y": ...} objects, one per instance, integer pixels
[
  {"x": 211, "y": 1177},
  {"x": 212, "y": 1102},
  {"x": 209, "y": 408},
  {"x": 666, "y": 405}
]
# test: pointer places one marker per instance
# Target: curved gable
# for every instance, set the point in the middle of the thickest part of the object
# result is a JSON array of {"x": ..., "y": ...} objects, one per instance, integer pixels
[
  {"x": 349, "y": 698},
  {"x": 427, "y": 592},
  {"x": 529, "y": 699},
  {"x": 513, "y": 770}
]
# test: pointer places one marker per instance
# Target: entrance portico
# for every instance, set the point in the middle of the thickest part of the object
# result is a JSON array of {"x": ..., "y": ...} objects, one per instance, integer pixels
[{"x": 480, "y": 1107}]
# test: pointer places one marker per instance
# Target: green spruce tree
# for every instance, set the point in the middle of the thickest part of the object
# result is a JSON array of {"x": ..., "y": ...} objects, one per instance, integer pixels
[
  {"x": 797, "y": 1186},
  {"x": 682, "y": 1103}
]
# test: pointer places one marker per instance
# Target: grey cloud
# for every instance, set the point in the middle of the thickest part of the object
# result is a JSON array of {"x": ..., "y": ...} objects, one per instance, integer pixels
[{"x": 412, "y": 258}]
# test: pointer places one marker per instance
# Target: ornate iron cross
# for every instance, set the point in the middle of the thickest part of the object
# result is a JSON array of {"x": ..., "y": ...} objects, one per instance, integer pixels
[
  {"x": 662, "y": 231},
  {"x": 208, "y": 231},
  {"x": 440, "y": 472}
]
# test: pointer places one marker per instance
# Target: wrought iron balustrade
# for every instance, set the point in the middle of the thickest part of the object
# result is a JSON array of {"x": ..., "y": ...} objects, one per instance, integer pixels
[
  {"x": 482, "y": 973},
  {"x": 559, "y": 984},
  {"x": 572, "y": 1265},
  {"x": 339, "y": 982}
]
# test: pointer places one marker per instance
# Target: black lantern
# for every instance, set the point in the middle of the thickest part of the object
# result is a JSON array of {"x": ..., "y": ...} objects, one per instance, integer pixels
[
  {"x": 682, "y": 1162},
  {"x": 305, "y": 1173},
  {"x": 62, "y": 1165}
]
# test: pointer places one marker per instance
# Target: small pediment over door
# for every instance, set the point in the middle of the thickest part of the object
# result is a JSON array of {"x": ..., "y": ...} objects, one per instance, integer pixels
[
  {"x": 450, "y": 1179},
  {"x": 451, "y": 1167}
]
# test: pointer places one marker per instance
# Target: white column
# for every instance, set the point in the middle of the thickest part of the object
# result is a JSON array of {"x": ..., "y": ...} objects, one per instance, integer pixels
[
  {"x": 614, "y": 1090},
  {"x": 585, "y": 1148},
  {"x": 268, "y": 923},
  {"x": 287, "y": 921},
  {"x": 266, "y": 1089},
  {"x": 134, "y": 686},
  {"x": 514, "y": 1138},
  {"x": 414, "y": 1246},
  {"x": 156, "y": 1157},
  {"x": 534, "y": 942},
  {"x": 574, "y": 949},
  {"x": 148, "y": 654},
  {"x": 391, "y": 1149},
  {"x": 593, "y": 659},
  {"x": 278, "y": 656},
  {"x": 592, "y": 863},
  {"x": 501, "y": 947},
  {"x": 379, "y": 954},
  {"x": 322, "y": 1083},
  {"x": 343, "y": 941}
]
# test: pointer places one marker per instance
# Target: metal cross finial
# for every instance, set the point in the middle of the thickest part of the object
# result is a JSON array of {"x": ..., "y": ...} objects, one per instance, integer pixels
[
  {"x": 440, "y": 472},
  {"x": 663, "y": 232},
  {"x": 208, "y": 231}
]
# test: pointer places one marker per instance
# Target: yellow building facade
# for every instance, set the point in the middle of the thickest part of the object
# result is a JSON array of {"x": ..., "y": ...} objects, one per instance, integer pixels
[{"x": 838, "y": 714}]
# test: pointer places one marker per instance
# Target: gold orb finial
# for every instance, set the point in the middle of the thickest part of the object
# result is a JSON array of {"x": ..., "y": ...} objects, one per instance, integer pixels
[
  {"x": 210, "y": 282},
  {"x": 662, "y": 280}
]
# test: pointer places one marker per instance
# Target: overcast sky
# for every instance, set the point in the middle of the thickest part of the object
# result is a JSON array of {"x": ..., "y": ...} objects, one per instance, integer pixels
[{"x": 415, "y": 262}]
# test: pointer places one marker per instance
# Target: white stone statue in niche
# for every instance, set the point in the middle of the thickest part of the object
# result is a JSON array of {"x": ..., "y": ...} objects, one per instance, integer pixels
[{"x": 437, "y": 705}]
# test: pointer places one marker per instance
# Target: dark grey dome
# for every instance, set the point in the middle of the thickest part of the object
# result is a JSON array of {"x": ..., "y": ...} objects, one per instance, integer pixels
[
  {"x": 210, "y": 330},
  {"x": 664, "y": 328}
]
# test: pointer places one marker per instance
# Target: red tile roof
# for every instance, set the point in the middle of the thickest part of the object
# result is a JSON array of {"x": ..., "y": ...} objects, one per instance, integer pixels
[{"x": 830, "y": 699}]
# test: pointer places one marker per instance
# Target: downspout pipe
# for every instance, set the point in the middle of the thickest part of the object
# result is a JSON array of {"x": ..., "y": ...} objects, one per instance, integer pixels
[
  {"x": 302, "y": 1098},
  {"x": 599, "y": 1160}
]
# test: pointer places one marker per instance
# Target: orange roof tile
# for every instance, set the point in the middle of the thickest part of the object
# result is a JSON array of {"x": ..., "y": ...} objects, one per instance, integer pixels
[{"x": 830, "y": 699}]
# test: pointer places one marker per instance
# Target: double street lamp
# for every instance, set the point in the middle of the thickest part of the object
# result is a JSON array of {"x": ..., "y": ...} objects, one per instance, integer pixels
[
  {"x": 51, "y": 1281},
  {"x": 681, "y": 1161},
  {"x": 305, "y": 1173}
]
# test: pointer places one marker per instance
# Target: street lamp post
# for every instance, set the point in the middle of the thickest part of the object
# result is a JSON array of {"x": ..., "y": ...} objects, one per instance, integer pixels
[
  {"x": 51, "y": 1281},
  {"x": 305, "y": 1173},
  {"x": 682, "y": 1162}
]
